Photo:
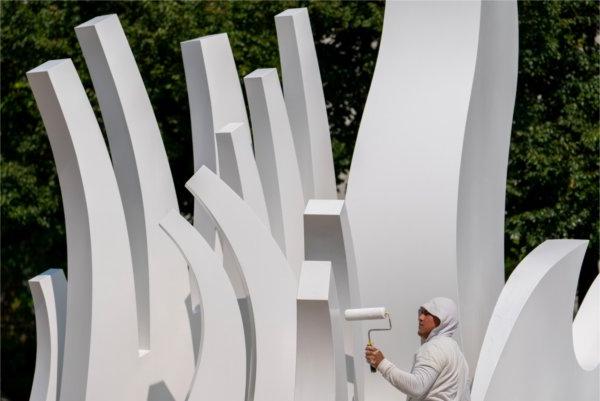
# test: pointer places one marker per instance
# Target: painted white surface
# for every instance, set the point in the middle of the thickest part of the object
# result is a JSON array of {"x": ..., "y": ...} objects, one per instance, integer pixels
[
  {"x": 148, "y": 193},
  {"x": 237, "y": 167},
  {"x": 586, "y": 329},
  {"x": 324, "y": 239},
  {"x": 101, "y": 341},
  {"x": 527, "y": 353},
  {"x": 277, "y": 163},
  {"x": 422, "y": 220},
  {"x": 215, "y": 98},
  {"x": 320, "y": 362},
  {"x": 49, "y": 292},
  {"x": 305, "y": 103},
  {"x": 270, "y": 282},
  {"x": 221, "y": 365}
]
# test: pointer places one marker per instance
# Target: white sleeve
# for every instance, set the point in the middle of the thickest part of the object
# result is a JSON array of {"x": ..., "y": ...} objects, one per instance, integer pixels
[{"x": 415, "y": 384}]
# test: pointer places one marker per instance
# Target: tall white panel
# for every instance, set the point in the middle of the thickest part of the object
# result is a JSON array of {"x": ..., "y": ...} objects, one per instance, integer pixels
[
  {"x": 305, "y": 103},
  {"x": 326, "y": 239},
  {"x": 320, "y": 363},
  {"x": 220, "y": 368},
  {"x": 277, "y": 163},
  {"x": 101, "y": 342},
  {"x": 425, "y": 195},
  {"x": 215, "y": 98},
  {"x": 238, "y": 169},
  {"x": 270, "y": 282},
  {"x": 527, "y": 353},
  {"x": 147, "y": 190},
  {"x": 49, "y": 292}
]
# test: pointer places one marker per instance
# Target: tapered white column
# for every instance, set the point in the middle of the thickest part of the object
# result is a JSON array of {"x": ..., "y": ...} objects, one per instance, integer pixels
[
  {"x": 586, "y": 329},
  {"x": 49, "y": 292},
  {"x": 426, "y": 190},
  {"x": 220, "y": 369},
  {"x": 326, "y": 239},
  {"x": 320, "y": 363},
  {"x": 238, "y": 169},
  {"x": 277, "y": 163},
  {"x": 270, "y": 282},
  {"x": 101, "y": 342},
  {"x": 215, "y": 97},
  {"x": 148, "y": 193},
  {"x": 527, "y": 353},
  {"x": 305, "y": 103}
]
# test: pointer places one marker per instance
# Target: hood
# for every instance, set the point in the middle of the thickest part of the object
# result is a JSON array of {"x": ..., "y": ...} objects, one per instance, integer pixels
[{"x": 444, "y": 309}]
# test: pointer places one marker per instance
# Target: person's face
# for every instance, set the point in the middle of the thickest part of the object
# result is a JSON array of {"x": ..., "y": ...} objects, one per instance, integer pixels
[{"x": 427, "y": 322}]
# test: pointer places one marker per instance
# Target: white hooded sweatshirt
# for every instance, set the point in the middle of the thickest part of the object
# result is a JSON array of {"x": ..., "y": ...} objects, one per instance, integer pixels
[{"x": 440, "y": 371}]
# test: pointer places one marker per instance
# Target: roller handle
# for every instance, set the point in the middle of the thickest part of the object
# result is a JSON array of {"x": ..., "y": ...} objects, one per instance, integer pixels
[{"x": 373, "y": 369}]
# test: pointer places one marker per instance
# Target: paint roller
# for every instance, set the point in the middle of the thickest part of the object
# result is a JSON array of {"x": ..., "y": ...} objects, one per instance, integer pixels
[{"x": 369, "y": 314}]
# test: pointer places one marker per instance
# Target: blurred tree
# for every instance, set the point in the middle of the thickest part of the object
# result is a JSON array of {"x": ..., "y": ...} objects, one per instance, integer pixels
[
  {"x": 552, "y": 189},
  {"x": 553, "y": 176}
]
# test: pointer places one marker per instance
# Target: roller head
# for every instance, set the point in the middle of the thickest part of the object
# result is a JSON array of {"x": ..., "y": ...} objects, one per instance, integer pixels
[{"x": 365, "y": 314}]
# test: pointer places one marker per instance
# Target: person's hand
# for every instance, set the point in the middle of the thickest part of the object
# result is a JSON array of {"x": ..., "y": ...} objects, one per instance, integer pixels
[{"x": 373, "y": 356}]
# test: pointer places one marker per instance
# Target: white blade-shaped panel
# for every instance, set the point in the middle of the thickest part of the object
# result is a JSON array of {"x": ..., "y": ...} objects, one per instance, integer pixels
[
  {"x": 215, "y": 98},
  {"x": 220, "y": 369},
  {"x": 320, "y": 362},
  {"x": 270, "y": 282},
  {"x": 101, "y": 342},
  {"x": 305, "y": 103},
  {"x": 586, "y": 329},
  {"x": 325, "y": 240},
  {"x": 527, "y": 353},
  {"x": 482, "y": 179},
  {"x": 238, "y": 169},
  {"x": 147, "y": 190},
  {"x": 276, "y": 160},
  {"x": 425, "y": 195},
  {"x": 49, "y": 292}
]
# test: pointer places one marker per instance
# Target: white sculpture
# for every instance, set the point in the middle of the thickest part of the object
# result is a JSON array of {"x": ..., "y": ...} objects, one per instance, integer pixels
[
  {"x": 277, "y": 163},
  {"x": 49, "y": 292},
  {"x": 320, "y": 363},
  {"x": 425, "y": 194},
  {"x": 101, "y": 338},
  {"x": 147, "y": 190},
  {"x": 221, "y": 364},
  {"x": 528, "y": 353},
  {"x": 423, "y": 218},
  {"x": 305, "y": 103}
]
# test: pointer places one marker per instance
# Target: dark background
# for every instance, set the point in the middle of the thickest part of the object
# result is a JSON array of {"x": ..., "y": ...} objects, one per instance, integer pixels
[{"x": 552, "y": 187}]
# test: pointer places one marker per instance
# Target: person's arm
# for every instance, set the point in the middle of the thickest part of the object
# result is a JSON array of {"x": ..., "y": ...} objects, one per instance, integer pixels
[{"x": 415, "y": 384}]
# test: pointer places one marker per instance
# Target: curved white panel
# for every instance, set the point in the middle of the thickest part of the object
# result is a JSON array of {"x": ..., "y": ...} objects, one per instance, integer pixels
[
  {"x": 527, "y": 353},
  {"x": 277, "y": 163},
  {"x": 482, "y": 180},
  {"x": 586, "y": 329},
  {"x": 220, "y": 369},
  {"x": 147, "y": 190},
  {"x": 423, "y": 222},
  {"x": 238, "y": 169},
  {"x": 324, "y": 239},
  {"x": 270, "y": 282},
  {"x": 305, "y": 103},
  {"x": 101, "y": 342},
  {"x": 215, "y": 97},
  {"x": 320, "y": 362},
  {"x": 49, "y": 292}
]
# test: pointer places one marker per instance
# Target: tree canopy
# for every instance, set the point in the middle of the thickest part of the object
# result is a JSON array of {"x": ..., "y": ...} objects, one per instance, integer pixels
[{"x": 552, "y": 187}]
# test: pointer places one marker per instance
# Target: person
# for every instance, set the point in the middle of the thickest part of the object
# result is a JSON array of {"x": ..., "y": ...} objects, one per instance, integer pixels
[{"x": 440, "y": 371}]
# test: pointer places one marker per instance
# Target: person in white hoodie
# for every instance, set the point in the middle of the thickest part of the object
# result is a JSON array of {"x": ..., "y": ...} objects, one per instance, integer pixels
[{"x": 440, "y": 371}]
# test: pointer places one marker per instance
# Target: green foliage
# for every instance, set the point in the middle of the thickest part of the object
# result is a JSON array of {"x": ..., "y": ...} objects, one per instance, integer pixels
[{"x": 552, "y": 188}]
